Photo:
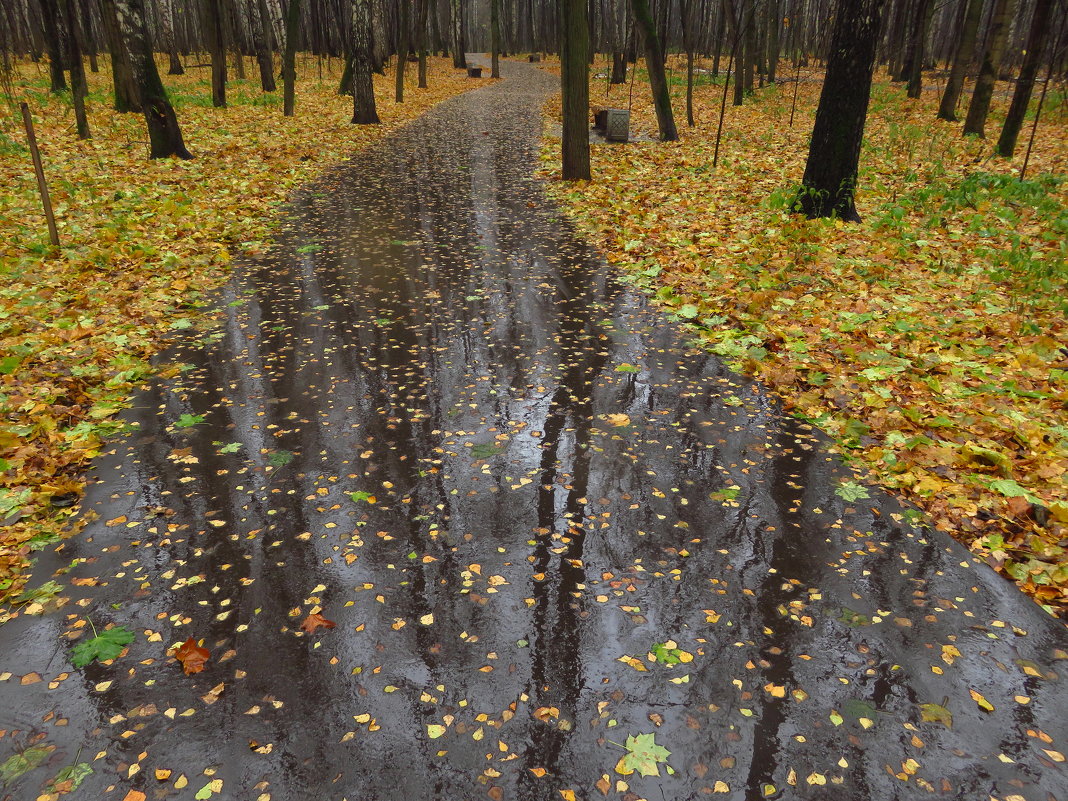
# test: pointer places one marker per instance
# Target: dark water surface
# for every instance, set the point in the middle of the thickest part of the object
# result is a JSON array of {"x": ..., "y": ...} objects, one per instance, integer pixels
[{"x": 437, "y": 419}]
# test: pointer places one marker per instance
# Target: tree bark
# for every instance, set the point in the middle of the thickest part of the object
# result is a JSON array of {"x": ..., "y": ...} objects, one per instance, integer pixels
[
  {"x": 78, "y": 86},
  {"x": 1025, "y": 84},
  {"x": 165, "y": 14},
  {"x": 289, "y": 59},
  {"x": 654, "y": 62},
  {"x": 363, "y": 88},
  {"x": 125, "y": 87},
  {"x": 456, "y": 17},
  {"x": 1000, "y": 18},
  {"x": 165, "y": 137},
  {"x": 211, "y": 16},
  {"x": 54, "y": 44},
  {"x": 575, "y": 90},
  {"x": 917, "y": 47},
  {"x": 495, "y": 38},
  {"x": 830, "y": 176},
  {"x": 261, "y": 39},
  {"x": 962, "y": 59},
  {"x": 402, "y": 50},
  {"x": 420, "y": 40}
]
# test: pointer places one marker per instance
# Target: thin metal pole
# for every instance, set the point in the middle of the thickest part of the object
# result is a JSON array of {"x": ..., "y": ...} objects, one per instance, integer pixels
[{"x": 38, "y": 168}]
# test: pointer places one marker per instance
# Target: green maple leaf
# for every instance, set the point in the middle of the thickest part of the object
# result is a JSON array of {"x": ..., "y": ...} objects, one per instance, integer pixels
[
  {"x": 665, "y": 655},
  {"x": 19, "y": 764},
  {"x": 189, "y": 420},
  {"x": 280, "y": 458},
  {"x": 106, "y": 645},
  {"x": 936, "y": 713},
  {"x": 75, "y": 774},
  {"x": 642, "y": 755},
  {"x": 851, "y": 491}
]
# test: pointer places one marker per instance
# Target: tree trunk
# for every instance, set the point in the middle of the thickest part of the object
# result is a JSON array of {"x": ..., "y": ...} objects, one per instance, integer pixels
[
  {"x": 917, "y": 47},
  {"x": 830, "y": 176},
  {"x": 54, "y": 44},
  {"x": 164, "y": 135},
  {"x": 774, "y": 21},
  {"x": 420, "y": 40},
  {"x": 78, "y": 87},
  {"x": 495, "y": 38},
  {"x": 402, "y": 49},
  {"x": 1000, "y": 17},
  {"x": 211, "y": 15},
  {"x": 165, "y": 14},
  {"x": 456, "y": 17},
  {"x": 289, "y": 59},
  {"x": 261, "y": 40},
  {"x": 575, "y": 90},
  {"x": 122, "y": 76},
  {"x": 1025, "y": 84},
  {"x": 654, "y": 62},
  {"x": 363, "y": 88},
  {"x": 962, "y": 59},
  {"x": 619, "y": 67}
]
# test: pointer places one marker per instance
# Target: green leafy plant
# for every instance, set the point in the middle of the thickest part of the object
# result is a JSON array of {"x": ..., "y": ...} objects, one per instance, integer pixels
[{"x": 104, "y": 646}]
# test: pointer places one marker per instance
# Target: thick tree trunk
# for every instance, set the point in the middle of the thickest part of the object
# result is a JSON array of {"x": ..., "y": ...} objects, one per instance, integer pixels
[
  {"x": 619, "y": 67},
  {"x": 962, "y": 59},
  {"x": 165, "y": 14},
  {"x": 917, "y": 47},
  {"x": 164, "y": 135},
  {"x": 575, "y": 90},
  {"x": 774, "y": 20},
  {"x": 1000, "y": 17},
  {"x": 654, "y": 62},
  {"x": 261, "y": 39},
  {"x": 363, "y": 88},
  {"x": 122, "y": 76},
  {"x": 1025, "y": 84},
  {"x": 421, "y": 11},
  {"x": 830, "y": 176},
  {"x": 54, "y": 44},
  {"x": 289, "y": 59},
  {"x": 211, "y": 15},
  {"x": 456, "y": 18}
]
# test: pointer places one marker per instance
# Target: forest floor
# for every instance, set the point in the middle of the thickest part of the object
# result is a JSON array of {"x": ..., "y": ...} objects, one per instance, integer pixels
[
  {"x": 143, "y": 243},
  {"x": 930, "y": 340}
]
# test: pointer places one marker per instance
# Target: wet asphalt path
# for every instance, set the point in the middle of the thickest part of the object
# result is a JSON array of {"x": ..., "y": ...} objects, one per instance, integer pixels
[{"x": 435, "y": 418}]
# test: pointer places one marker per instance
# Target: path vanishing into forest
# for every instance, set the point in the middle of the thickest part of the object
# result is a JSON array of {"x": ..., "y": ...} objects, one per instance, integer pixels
[{"x": 560, "y": 547}]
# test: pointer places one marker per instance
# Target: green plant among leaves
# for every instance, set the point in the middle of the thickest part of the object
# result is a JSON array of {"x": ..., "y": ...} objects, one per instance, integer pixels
[
  {"x": 280, "y": 458},
  {"x": 46, "y": 592},
  {"x": 669, "y": 653},
  {"x": 485, "y": 450},
  {"x": 853, "y": 618},
  {"x": 189, "y": 420},
  {"x": 360, "y": 495},
  {"x": 851, "y": 491},
  {"x": 643, "y": 755},
  {"x": 20, "y": 764},
  {"x": 105, "y": 645},
  {"x": 70, "y": 778}
]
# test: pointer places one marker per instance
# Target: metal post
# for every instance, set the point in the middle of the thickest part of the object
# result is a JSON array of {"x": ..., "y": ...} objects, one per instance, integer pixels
[{"x": 38, "y": 168}]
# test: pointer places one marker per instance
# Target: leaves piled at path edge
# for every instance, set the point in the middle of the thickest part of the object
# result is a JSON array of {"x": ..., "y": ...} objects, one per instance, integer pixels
[
  {"x": 928, "y": 340},
  {"x": 143, "y": 243}
]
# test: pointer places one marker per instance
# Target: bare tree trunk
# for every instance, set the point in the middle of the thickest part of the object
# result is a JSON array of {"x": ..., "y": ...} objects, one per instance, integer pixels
[
  {"x": 495, "y": 39},
  {"x": 917, "y": 47},
  {"x": 421, "y": 36},
  {"x": 78, "y": 87},
  {"x": 965, "y": 52},
  {"x": 1000, "y": 17},
  {"x": 575, "y": 90},
  {"x": 165, "y": 14},
  {"x": 54, "y": 44},
  {"x": 164, "y": 135},
  {"x": 289, "y": 59},
  {"x": 125, "y": 87},
  {"x": 830, "y": 176},
  {"x": 1025, "y": 84},
  {"x": 211, "y": 15},
  {"x": 456, "y": 17},
  {"x": 402, "y": 50},
  {"x": 654, "y": 62},
  {"x": 261, "y": 39},
  {"x": 363, "y": 88}
]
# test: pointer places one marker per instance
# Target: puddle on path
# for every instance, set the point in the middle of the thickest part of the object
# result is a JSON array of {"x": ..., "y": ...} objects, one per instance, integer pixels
[{"x": 436, "y": 419}]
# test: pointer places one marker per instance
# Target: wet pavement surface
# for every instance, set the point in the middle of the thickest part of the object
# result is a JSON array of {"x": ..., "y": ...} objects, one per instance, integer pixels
[{"x": 542, "y": 525}]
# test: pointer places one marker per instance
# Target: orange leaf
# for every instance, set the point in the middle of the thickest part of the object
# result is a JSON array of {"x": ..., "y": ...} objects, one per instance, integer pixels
[
  {"x": 316, "y": 621},
  {"x": 192, "y": 656}
]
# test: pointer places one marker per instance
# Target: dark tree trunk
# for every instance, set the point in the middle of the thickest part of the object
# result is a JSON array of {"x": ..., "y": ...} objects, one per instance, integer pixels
[
  {"x": 125, "y": 87},
  {"x": 289, "y": 59},
  {"x": 495, "y": 38},
  {"x": 363, "y": 87},
  {"x": 654, "y": 62},
  {"x": 962, "y": 59},
  {"x": 164, "y": 135},
  {"x": 54, "y": 44},
  {"x": 917, "y": 46},
  {"x": 211, "y": 15},
  {"x": 1025, "y": 84},
  {"x": 261, "y": 38},
  {"x": 165, "y": 14},
  {"x": 830, "y": 176},
  {"x": 575, "y": 90},
  {"x": 1000, "y": 17},
  {"x": 78, "y": 87},
  {"x": 456, "y": 18},
  {"x": 774, "y": 20},
  {"x": 402, "y": 50},
  {"x": 420, "y": 40},
  {"x": 89, "y": 37},
  {"x": 619, "y": 67}
]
